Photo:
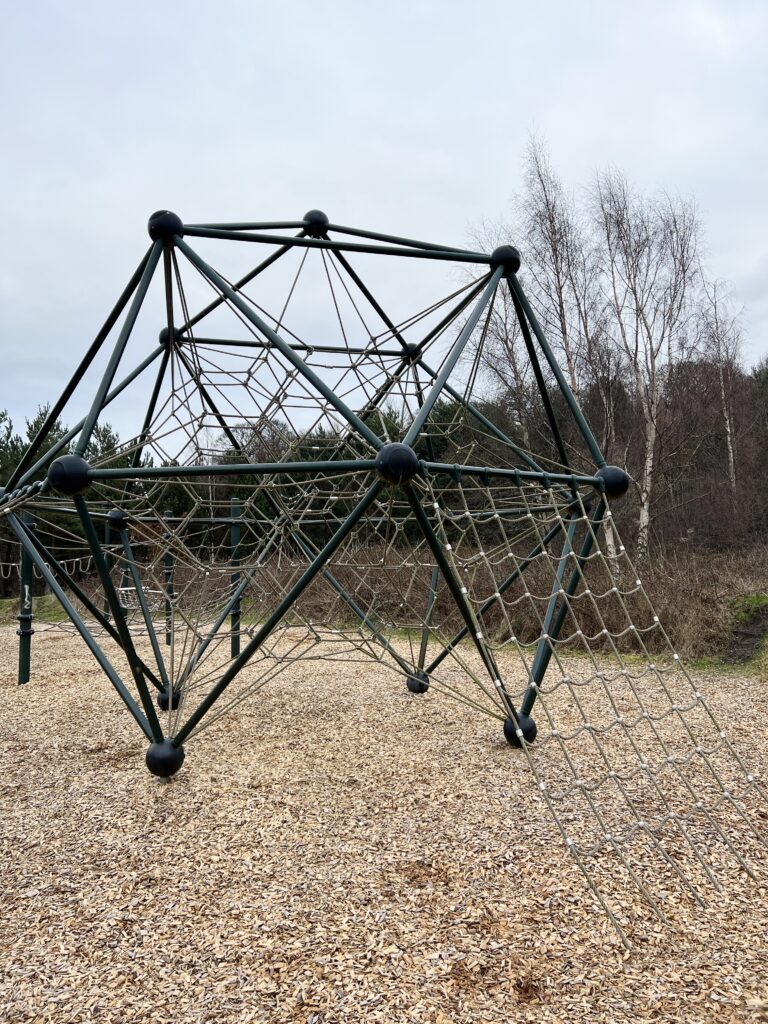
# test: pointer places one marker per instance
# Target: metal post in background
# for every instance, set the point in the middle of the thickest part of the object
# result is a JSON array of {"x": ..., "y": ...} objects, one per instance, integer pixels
[
  {"x": 107, "y": 559},
  {"x": 25, "y": 631},
  {"x": 234, "y": 579}
]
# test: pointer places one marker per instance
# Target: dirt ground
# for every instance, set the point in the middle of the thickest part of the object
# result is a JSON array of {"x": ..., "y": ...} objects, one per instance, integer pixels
[{"x": 334, "y": 851}]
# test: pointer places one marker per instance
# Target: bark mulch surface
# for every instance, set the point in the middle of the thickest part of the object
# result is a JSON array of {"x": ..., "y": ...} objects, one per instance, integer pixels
[{"x": 333, "y": 851}]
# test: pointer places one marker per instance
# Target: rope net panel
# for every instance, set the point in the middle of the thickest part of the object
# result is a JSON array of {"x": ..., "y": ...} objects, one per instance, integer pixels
[{"x": 336, "y": 485}]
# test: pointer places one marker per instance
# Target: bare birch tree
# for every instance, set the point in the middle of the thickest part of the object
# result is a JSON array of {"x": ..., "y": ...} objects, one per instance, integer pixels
[
  {"x": 722, "y": 345},
  {"x": 649, "y": 266}
]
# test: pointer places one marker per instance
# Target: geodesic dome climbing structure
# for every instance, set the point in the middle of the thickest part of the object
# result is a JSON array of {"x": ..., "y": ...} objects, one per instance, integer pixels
[{"x": 313, "y": 472}]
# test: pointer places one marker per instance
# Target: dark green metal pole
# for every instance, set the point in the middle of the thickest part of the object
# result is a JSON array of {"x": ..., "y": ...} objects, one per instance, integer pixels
[
  {"x": 428, "y": 617},
  {"x": 483, "y": 304},
  {"x": 459, "y": 596},
  {"x": 290, "y": 598},
  {"x": 121, "y": 624},
  {"x": 234, "y": 579},
  {"x": 145, "y": 610},
  {"x": 85, "y": 600},
  {"x": 279, "y": 343},
  {"x": 117, "y": 353},
  {"x": 542, "y": 662},
  {"x": 517, "y": 293},
  {"x": 25, "y": 616},
  {"x": 82, "y": 629}
]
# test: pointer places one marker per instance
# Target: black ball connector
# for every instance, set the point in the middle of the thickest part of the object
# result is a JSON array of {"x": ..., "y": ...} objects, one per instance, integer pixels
[
  {"x": 117, "y": 519},
  {"x": 162, "y": 699},
  {"x": 69, "y": 475},
  {"x": 525, "y": 724},
  {"x": 316, "y": 223},
  {"x": 615, "y": 481},
  {"x": 165, "y": 336},
  {"x": 163, "y": 225},
  {"x": 397, "y": 463},
  {"x": 418, "y": 683},
  {"x": 508, "y": 257},
  {"x": 164, "y": 759}
]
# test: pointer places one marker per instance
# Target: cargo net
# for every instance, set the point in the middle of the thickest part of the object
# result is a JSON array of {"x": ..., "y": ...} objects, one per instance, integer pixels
[{"x": 494, "y": 575}]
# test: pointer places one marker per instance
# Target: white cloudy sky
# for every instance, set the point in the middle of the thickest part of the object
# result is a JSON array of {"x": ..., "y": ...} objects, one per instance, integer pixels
[{"x": 409, "y": 116}]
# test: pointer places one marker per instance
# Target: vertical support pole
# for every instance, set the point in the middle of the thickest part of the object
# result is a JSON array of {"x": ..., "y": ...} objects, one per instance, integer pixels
[
  {"x": 544, "y": 643},
  {"x": 234, "y": 579},
  {"x": 428, "y": 617},
  {"x": 25, "y": 631},
  {"x": 107, "y": 559},
  {"x": 169, "y": 594},
  {"x": 529, "y": 698}
]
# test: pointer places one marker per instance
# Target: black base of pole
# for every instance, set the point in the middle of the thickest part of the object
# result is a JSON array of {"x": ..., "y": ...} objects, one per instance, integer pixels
[
  {"x": 418, "y": 683},
  {"x": 163, "y": 759},
  {"x": 162, "y": 700},
  {"x": 525, "y": 724}
]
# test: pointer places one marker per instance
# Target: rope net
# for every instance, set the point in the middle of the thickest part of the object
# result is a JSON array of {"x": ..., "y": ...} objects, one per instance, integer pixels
[{"x": 255, "y": 531}]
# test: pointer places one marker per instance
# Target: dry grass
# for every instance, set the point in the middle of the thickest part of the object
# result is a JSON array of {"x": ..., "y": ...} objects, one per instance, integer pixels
[{"x": 336, "y": 851}]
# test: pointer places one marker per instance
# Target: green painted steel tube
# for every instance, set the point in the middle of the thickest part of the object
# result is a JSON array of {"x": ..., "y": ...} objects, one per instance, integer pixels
[
  {"x": 54, "y": 450},
  {"x": 459, "y": 597},
  {"x": 25, "y": 632},
  {"x": 234, "y": 578},
  {"x": 119, "y": 619},
  {"x": 307, "y": 372},
  {"x": 145, "y": 611},
  {"x": 411, "y": 243},
  {"x": 240, "y": 283},
  {"x": 322, "y": 243},
  {"x": 517, "y": 475},
  {"x": 58, "y": 406},
  {"x": 557, "y": 587},
  {"x": 503, "y": 588},
  {"x": 83, "y": 598},
  {"x": 117, "y": 353},
  {"x": 348, "y": 350},
  {"x": 453, "y": 356},
  {"x": 530, "y": 694},
  {"x": 232, "y": 469},
  {"x": 431, "y": 597},
  {"x": 491, "y": 427},
  {"x": 290, "y": 598},
  {"x": 83, "y": 630},
  {"x": 541, "y": 384},
  {"x": 517, "y": 291}
]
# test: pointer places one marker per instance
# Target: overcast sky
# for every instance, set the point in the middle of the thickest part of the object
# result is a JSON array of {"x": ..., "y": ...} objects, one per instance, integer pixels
[{"x": 407, "y": 117}]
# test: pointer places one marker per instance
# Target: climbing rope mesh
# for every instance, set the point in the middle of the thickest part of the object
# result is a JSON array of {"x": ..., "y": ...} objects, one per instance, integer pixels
[{"x": 629, "y": 758}]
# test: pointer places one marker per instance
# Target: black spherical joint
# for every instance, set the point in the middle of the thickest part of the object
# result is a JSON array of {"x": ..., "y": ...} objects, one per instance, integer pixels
[
  {"x": 506, "y": 256},
  {"x": 117, "y": 519},
  {"x": 527, "y": 727},
  {"x": 69, "y": 475},
  {"x": 316, "y": 223},
  {"x": 397, "y": 463},
  {"x": 165, "y": 336},
  {"x": 164, "y": 759},
  {"x": 162, "y": 699},
  {"x": 418, "y": 683},
  {"x": 615, "y": 481},
  {"x": 163, "y": 225}
]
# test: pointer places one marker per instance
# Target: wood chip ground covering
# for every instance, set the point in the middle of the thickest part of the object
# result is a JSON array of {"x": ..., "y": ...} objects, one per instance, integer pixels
[{"x": 334, "y": 851}]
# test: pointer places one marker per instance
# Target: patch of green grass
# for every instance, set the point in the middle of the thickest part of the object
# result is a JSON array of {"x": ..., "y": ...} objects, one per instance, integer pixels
[
  {"x": 45, "y": 608},
  {"x": 746, "y": 608}
]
